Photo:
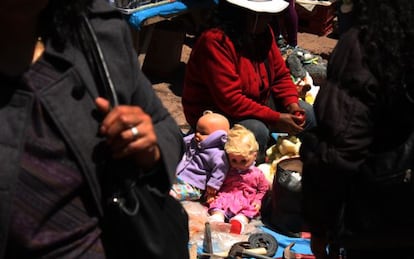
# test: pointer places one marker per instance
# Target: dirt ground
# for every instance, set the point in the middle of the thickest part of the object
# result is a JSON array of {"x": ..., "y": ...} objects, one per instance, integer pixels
[{"x": 169, "y": 88}]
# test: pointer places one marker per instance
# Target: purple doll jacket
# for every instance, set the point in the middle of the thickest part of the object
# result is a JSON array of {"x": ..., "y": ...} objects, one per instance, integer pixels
[{"x": 204, "y": 163}]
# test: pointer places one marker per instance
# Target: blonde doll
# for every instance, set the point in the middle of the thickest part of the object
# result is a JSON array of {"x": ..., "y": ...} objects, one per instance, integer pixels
[{"x": 239, "y": 198}]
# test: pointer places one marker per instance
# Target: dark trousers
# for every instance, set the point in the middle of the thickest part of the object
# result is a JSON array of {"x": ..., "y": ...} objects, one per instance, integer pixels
[{"x": 287, "y": 23}]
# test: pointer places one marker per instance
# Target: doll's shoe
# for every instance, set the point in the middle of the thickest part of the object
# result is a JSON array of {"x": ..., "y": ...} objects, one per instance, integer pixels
[{"x": 236, "y": 227}]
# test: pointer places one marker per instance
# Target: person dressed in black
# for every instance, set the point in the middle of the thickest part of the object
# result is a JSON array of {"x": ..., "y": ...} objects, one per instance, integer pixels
[
  {"x": 58, "y": 134},
  {"x": 357, "y": 187}
]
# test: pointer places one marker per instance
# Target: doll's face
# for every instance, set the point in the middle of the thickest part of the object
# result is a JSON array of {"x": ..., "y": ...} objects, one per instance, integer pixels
[
  {"x": 203, "y": 131},
  {"x": 209, "y": 123},
  {"x": 241, "y": 162}
]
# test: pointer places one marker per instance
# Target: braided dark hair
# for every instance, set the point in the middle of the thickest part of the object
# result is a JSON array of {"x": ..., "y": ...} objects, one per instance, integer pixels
[
  {"x": 61, "y": 19},
  {"x": 387, "y": 33},
  {"x": 231, "y": 19}
]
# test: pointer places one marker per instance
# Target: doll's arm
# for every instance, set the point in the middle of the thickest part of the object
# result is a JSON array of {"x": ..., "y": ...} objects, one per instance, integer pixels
[{"x": 210, "y": 194}]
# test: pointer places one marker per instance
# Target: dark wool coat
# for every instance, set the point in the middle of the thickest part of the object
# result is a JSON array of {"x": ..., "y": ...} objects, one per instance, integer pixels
[
  {"x": 70, "y": 103},
  {"x": 353, "y": 124}
]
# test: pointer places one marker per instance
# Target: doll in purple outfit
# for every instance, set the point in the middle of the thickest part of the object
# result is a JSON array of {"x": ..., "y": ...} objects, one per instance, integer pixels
[
  {"x": 239, "y": 198},
  {"x": 204, "y": 165}
]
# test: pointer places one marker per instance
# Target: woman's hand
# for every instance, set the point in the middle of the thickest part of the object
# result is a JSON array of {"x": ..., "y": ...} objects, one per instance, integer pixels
[
  {"x": 296, "y": 110},
  {"x": 130, "y": 133},
  {"x": 288, "y": 123}
]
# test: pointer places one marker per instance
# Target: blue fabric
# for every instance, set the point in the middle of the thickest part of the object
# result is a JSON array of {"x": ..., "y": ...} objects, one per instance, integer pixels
[
  {"x": 302, "y": 245},
  {"x": 135, "y": 19}
]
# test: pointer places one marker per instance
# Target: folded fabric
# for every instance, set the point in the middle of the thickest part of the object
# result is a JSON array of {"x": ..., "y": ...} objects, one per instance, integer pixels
[{"x": 135, "y": 19}]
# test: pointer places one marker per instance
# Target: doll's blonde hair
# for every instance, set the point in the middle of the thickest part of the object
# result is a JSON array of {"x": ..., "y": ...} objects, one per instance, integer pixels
[{"x": 241, "y": 141}]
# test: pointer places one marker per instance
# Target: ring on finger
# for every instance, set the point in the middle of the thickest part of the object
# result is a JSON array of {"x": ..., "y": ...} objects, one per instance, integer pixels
[{"x": 135, "y": 132}]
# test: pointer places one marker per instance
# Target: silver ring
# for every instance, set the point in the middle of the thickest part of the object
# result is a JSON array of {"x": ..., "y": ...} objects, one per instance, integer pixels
[{"x": 134, "y": 132}]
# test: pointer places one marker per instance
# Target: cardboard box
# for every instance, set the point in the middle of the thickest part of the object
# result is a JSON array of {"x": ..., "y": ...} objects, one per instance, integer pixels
[{"x": 319, "y": 21}]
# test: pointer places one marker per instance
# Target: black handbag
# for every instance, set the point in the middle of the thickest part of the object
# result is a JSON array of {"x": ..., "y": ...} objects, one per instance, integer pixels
[
  {"x": 281, "y": 210},
  {"x": 139, "y": 220}
]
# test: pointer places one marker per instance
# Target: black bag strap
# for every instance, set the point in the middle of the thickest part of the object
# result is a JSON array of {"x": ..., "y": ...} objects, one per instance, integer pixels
[{"x": 96, "y": 60}]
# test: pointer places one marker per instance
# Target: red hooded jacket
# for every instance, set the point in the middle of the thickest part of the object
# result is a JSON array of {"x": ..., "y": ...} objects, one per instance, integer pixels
[{"x": 218, "y": 78}]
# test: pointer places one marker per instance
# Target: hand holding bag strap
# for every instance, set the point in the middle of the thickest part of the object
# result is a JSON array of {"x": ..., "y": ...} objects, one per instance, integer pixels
[
  {"x": 145, "y": 223},
  {"x": 96, "y": 60}
]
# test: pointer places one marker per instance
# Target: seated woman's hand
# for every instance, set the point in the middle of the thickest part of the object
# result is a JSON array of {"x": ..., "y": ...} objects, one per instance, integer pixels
[
  {"x": 296, "y": 110},
  {"x": 287, "y": 123},
  {"x": 130, "y": 133}
]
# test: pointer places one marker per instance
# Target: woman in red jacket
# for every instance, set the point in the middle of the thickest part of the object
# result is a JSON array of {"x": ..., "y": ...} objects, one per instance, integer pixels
[{"x": 236, "y": 69}]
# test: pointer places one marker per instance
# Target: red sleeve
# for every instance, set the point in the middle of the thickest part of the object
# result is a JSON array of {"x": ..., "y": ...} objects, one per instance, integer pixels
[{"x": 282, "y": 86}]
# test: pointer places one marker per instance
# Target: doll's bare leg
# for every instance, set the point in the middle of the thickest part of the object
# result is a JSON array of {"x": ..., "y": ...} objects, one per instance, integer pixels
[
  {"x": 216, "y": 216},
  {"x": 217, "y": 222}
]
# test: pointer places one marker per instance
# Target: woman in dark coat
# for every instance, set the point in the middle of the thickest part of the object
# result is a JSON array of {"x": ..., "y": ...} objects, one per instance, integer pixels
[
  {"x": 58, "y": 137},
  {"x": 365, "y": 114}
]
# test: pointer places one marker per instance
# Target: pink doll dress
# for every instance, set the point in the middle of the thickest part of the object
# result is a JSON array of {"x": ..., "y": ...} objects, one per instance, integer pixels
[{"x": 240, "y": 192}]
